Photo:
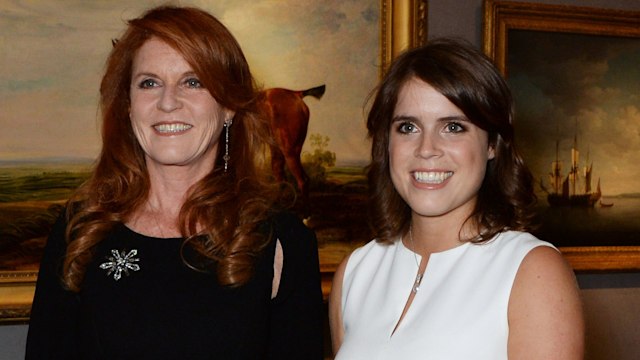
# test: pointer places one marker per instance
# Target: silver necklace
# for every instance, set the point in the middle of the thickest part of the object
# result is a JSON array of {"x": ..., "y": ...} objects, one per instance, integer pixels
[{"x": 416, "y": 283}]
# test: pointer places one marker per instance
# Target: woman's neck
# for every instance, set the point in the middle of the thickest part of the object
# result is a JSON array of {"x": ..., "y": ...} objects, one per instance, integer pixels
[
  {"x": 437, "y": 234},
  {"x": 158, "y": 215}
]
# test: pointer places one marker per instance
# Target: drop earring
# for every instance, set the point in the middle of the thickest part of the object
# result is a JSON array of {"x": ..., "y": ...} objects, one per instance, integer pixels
[{"x": 226, "y": 157}]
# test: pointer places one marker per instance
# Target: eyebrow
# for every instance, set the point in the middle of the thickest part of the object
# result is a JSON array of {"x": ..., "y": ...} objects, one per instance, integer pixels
[
  {"x": 403, "y": 118},
  {"x": 150, "y": 74},
  {"x": 460, "y": 118}
]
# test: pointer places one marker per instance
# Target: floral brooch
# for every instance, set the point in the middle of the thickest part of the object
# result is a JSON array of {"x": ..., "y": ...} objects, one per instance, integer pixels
[{"x": 121, "y": 262}]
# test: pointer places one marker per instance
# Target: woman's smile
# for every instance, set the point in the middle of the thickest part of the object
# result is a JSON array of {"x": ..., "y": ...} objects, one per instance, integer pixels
[
  {"x": 172, "y": 128},
  {"x": 431, "y": 177}
]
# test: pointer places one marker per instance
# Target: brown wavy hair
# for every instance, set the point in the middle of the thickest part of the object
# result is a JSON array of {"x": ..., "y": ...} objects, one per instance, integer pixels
[
  {"x": 472, "y": 83},
  {"x": 229, "y": 206}
]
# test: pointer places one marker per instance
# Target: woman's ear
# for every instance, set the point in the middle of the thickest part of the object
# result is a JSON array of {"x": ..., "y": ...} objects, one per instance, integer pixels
[
  {"x": 229, "y": 114},
  {"x": 491, "y": 152}
]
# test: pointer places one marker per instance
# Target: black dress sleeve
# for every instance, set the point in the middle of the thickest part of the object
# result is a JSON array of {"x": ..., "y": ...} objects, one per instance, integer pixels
[
  {"x": 52, "y": 326},
  {"x": 297, "y": 310}
]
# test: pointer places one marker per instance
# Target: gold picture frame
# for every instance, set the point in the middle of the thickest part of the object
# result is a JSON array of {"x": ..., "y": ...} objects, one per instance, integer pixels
[
  {"x": 502, "y": 16},
  {"x": 402, "y": 25},
  {"x": 16, "y": 293}
]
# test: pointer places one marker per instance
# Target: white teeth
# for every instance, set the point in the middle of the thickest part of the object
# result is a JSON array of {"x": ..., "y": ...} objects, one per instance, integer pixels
[
  {"x": 172, "y": 128},
  {"x": 432, "y": 177}
]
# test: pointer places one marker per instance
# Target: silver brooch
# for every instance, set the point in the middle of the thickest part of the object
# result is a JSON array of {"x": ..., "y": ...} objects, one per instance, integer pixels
[{"x": 121, "y": 263}]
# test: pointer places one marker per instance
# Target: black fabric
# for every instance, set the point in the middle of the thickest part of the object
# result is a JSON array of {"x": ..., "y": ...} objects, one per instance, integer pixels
[{"x": 166, "y": 310}]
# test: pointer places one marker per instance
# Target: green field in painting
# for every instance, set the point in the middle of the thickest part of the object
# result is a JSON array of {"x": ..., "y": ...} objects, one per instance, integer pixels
[
  {"x": 31, "y": 198},
  {"x": 16, "y": 186},
  {"x": 347, "y": 175}
]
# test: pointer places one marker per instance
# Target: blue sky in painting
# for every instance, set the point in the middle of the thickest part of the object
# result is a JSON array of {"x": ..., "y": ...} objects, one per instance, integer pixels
[{"x": 52, "y": 54}]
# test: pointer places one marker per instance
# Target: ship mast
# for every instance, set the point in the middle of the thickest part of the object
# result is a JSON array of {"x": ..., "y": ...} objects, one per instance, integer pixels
[
  {"x": 587, "y": 174},
  {"x": 556, "y": 171},
  {"x": 575, "y": 157}
]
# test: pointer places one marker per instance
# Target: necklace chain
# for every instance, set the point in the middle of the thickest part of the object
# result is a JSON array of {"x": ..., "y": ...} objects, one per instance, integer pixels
[{"x": 419, "y": 276}]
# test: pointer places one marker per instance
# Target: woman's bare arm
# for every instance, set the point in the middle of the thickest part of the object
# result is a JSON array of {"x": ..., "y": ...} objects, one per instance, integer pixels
[{"x": 545, "y": 311}]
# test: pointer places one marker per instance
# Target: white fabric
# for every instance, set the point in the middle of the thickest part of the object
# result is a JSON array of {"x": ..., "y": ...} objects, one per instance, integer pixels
[{"x": 460, "y": 311}]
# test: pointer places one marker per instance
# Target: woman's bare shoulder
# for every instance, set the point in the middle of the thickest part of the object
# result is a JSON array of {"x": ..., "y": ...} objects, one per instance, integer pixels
[{"x": 545, "y": 310}]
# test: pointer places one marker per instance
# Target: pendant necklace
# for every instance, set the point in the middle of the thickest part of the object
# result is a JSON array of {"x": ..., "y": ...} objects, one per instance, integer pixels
[{"x": 416, "y": 283}]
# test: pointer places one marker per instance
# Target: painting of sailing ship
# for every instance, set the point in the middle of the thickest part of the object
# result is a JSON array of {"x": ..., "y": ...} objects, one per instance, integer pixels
[
  {"x": 577, "y": 125},
  {"x": 572, "y": 189}
]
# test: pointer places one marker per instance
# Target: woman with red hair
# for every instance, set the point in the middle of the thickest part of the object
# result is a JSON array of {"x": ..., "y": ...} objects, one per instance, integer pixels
[{"x": 174, "y": 248}]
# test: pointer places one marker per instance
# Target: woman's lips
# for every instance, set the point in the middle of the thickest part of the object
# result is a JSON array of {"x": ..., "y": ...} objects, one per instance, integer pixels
[
  {"x": 431, "y": 177},
  {"x": 172, "y": 128}
]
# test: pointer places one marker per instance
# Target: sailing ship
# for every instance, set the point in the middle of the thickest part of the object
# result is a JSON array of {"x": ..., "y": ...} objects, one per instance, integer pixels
[{"x": 574, "y": 189}]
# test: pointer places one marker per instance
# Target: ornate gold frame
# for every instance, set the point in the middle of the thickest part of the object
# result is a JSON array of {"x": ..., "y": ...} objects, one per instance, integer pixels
[
  {"x": 499, "y": 18},
  {"x": 16, "y": 294},
  {"x": 402, "y": 25}
]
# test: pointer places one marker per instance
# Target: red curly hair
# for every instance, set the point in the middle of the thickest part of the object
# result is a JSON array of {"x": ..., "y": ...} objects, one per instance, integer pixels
[{"x": 229, "y": 206}]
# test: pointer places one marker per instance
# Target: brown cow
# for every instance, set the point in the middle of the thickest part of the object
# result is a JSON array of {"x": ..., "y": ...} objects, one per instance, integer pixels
[{"x": 289, "y": 117}]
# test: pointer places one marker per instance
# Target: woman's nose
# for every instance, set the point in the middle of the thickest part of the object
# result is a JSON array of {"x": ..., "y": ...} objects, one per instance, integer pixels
[
  {"x": 169, "y": 99},
  {"x": 429, "y": 145}
]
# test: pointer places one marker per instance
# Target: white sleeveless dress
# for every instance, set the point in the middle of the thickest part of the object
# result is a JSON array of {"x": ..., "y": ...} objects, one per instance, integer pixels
[{"x": 460, "y": 311}]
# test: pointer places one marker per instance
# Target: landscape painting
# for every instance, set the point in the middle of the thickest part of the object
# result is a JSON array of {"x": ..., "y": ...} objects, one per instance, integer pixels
[
  {"x": 50, "y": 70},
  {"x": 574, "y": 76},
  {"x": 577, "y": 123},
  {"x": 577, "y": 101}
]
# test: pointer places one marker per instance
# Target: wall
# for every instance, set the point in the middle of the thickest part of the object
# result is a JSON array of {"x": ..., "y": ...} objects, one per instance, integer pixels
[
  {"x": 612, "y": 300},
  {"x": 12, "y": 341},
  {"x": 612, "y": 315}
]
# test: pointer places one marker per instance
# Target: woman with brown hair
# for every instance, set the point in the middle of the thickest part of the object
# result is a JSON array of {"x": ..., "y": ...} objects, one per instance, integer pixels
[
  {"x": 453, "y": 272},
  {"x": 174, "y": 248}
]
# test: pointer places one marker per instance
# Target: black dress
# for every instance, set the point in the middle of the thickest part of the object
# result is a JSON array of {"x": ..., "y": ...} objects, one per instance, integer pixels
[{"x": 140, "y": 301}]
